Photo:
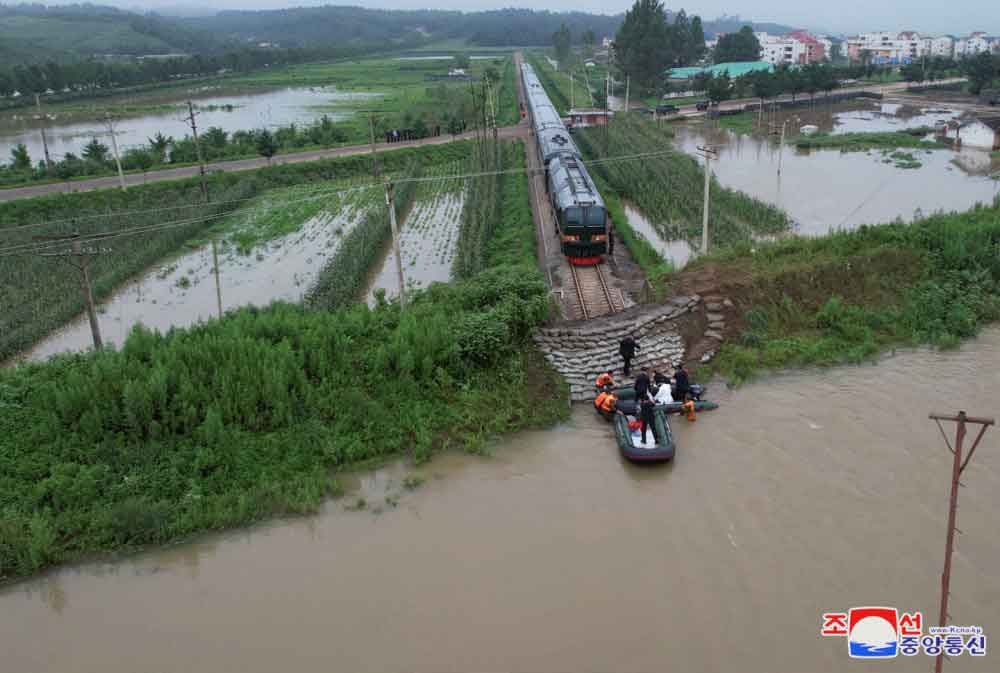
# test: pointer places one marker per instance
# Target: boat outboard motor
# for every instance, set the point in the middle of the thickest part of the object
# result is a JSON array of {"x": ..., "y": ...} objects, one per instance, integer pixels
[{"x": 696, "y": 390}]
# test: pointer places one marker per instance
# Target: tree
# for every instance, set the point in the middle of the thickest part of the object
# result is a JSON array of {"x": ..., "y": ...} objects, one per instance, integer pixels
[
  {"x": 642, "y": 47},
  {"x": 696, "y": 49},
  {"x": 265, "y": 144},
  {"x": 461, "y": 61},
  {"x": 739, "y": 46},
  {"x": 159, "y": 144},
  {"x": 719, "y": 88},
  {"x": 589, "y": 40},
  {"x": 836, "y": 52},
  {"x": 215, "y": 137},
  {"x": 980, "y": 69},
  {"x": 95, "y": 151},
  {"x": 19, "y": 158},
  {"x": 562, "y": 40}
]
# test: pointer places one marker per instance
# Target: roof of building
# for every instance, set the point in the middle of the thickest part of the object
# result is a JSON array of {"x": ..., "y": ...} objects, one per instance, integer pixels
[
  {"x": 993, "y": 122},
  {"x": 734, "y": 70}
]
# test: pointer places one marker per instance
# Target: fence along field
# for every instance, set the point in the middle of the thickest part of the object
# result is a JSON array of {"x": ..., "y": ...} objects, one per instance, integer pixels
[{"x": 39, "y": 294}]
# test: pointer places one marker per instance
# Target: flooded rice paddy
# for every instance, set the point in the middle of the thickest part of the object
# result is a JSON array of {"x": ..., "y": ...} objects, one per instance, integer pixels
[
  {"x": 70, "y": 131},
  {"x": 662, "y": 237},
  {"x": 825, "y": 190},
  {"x": 804, "y": 493},
  {"x": 180, "y": 292}
]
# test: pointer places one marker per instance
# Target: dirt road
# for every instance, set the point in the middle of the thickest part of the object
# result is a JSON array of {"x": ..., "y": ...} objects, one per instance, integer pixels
[{"x": 111, "y": 181}]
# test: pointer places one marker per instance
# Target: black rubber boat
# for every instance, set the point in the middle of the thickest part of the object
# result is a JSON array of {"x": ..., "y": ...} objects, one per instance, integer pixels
[
  {"x": 626, "y": 403},
  {"x": 630, "y": 444}
]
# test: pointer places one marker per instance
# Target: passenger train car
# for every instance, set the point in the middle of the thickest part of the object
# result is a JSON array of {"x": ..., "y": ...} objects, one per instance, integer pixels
[{"x": 581, "y": 217}]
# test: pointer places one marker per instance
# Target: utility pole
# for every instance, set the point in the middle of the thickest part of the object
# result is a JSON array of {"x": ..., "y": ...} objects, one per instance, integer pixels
[
  {"x": 45, "y": 142},
  {"x": 218, "y": 282},
  {"x": 781, "y": 147},
  {"x": 958, "y": 466},
  {"x": 628, "y": 80},
  {"x": 390, "y": 202},
  {"x": 81, "y": 262},
  {"x": 371, "y": 128},
  {"x": 572, "y": 96},
  {"x": 109, "y": 123},
  {"x": 197, "y": 148},
  {"x": 709, "y": 153}
]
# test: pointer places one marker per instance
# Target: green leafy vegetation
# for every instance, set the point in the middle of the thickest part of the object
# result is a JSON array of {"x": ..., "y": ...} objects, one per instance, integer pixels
[
  {"x": 37, "y": 296},
  {"x": 846, "y": 296},
  {"x": 859, "y": 142},
  {"x": 669, "y": 185}
]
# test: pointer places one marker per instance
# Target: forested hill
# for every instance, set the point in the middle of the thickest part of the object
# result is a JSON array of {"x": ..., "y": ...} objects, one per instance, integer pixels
[
  {"x": 35, "y": 33},
  {"x": 312, "y": 26}
]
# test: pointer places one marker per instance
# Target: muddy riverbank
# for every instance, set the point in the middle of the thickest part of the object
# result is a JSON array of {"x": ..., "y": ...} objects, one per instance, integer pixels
[{"x": 803, "y": 493}]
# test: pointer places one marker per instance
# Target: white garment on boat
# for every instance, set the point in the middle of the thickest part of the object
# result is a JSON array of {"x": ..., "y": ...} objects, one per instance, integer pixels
[{"x": 663, "y": 395}]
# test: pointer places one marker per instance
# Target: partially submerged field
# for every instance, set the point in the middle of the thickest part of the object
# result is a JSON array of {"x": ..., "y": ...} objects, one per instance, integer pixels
[{"x": 251, "y": 416}]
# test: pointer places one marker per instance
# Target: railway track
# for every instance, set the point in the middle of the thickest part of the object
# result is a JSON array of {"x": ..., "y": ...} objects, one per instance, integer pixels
[{"x": 594, "y": 297}]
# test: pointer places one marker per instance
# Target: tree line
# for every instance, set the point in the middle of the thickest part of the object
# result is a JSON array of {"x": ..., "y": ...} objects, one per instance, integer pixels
[{"x": 647, "y": 43}]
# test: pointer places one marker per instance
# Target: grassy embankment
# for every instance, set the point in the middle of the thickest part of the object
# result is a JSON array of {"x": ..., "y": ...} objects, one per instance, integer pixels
[
  {"x": 846, "y": 296},
  {"x": 668, "y": 186},
  {"x": 251, "y": 416},
  {"x": 39, "y": 294},
  {"x": 559, "y": 88}
]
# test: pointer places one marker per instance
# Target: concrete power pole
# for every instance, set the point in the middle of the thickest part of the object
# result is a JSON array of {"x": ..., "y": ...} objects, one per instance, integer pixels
[
  {"x": 709, "y": 153},
  {"x": 958, "y": 466},
  {"x": 390, "y": 202},
  {"x": 628, "y": 80},
  {"x": 45, "y": 142},
  {"x": 78, "y": 258},
  {"x": 190, "y": 119},
  {"x": 371, "y": 128},
  {"x": 218, "y": 282},
  {"x": 109, "y": 123}
]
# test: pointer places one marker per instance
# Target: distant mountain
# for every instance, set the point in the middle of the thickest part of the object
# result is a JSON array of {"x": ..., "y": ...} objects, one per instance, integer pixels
[
  {"x": 731, "y": 24},
  {"x": 30, "y": 33}
]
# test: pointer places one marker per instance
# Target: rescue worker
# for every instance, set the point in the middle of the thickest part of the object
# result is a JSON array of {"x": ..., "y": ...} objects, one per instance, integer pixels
[
  {"x": 606, "y": 380},
  {"x": 642, "y": 385},
  {"x": 599, "y": 400},
  {"x": 627, "y": 349},
  {"x": 608, "y": 405},
  {"x": 682, "y": 384},
  {"x": 688, "y": 408},
  {"x": 648, "y": 418}
]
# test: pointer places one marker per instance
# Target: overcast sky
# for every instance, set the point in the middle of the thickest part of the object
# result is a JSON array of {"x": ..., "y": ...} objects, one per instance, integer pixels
[{"x": 959, "y": 17}]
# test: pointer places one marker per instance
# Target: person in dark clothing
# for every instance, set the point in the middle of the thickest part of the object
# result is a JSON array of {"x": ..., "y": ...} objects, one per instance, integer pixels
[
  {"x": 627, "y": 349},
  {"x": 648, "y": 419},
  {"x": 682, "y": 383},
  {"x": 660, "y": 378},
  {"x": 642, "y": 386}
]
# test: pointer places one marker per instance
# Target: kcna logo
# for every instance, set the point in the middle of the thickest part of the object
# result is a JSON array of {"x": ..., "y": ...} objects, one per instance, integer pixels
[{"x": 882, "y": 633}]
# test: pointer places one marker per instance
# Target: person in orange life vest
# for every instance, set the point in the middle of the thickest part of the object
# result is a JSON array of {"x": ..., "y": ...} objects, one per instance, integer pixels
[
  {"x": 601, "y": 398},
  {"x": 608, "y": 405},
  {"x": 688, "y": 407},
  {"x": 606, "y": 380}
]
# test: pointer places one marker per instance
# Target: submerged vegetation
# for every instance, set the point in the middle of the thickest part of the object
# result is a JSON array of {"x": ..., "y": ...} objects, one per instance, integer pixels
[
  {"x": 859, "y": 142},
  {"x": 250, "y": 416},
  {"x": 846, "y": 296},
  {"x": 668, "y": 184}
]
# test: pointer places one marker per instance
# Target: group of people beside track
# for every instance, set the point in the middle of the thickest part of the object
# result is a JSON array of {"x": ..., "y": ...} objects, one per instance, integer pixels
[{"x": 651, "y": 390}]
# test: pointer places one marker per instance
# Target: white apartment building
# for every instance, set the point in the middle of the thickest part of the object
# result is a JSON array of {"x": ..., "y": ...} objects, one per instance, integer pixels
[
  {"x": 795, "y": 48},
  {"x": 943, "y": 46},
  {"x": 887, "y": 48},
  {"x": 972, "y": 45}
]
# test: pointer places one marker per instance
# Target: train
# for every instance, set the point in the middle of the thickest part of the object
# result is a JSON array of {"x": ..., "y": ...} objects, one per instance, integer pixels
[{"x": 581, "y": 217}]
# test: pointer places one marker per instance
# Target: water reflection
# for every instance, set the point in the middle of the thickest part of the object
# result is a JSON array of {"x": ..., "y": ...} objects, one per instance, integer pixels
[{"x": 664, "y": 238}]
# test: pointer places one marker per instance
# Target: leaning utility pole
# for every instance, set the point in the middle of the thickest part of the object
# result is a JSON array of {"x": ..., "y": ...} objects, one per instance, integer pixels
[
  {"x": 80, "y": 264},
  {"x": 628, "y": 80},
  {"x": 109, "y": 123},
  {"x": 218, "y": 282},
  {"x": 45, "y": 143},
  {"x": 390, "y": 202},
  {"x": 371, "y": 128},
  {"x": 709, "y": 153},
  {"x": 957, "y": 467},
  {"x": 197, "y": 148}
]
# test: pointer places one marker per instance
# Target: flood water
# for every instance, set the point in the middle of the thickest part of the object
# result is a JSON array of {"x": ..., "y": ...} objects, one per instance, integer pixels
[
  {"x": 69, "y": 132},
  {"x": 804, "y": 493},
  {"x": 181, "y": 292},
  {"x": 676, "y": 250},
  {"x": 824, "y": 190}
]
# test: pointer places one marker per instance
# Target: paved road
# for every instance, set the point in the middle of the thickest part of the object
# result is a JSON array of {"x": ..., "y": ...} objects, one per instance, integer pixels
[{"x": 110, "y": 182}]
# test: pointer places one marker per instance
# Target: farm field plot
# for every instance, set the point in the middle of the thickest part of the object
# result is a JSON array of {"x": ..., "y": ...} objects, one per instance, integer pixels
[
  {"x": 269, "y": 251},
  {"x": 428, "y": 237}
]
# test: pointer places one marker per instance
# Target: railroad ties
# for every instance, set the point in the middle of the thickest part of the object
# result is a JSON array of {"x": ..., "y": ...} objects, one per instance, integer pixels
[{"x": 593, "y": 295}]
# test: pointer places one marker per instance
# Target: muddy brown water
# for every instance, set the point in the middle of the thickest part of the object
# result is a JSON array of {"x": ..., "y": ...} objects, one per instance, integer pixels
[{"x": 803, "y": 493}]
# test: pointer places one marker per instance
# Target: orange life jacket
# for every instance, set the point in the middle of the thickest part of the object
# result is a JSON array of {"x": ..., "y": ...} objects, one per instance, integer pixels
[
  {"x": 605, "y": 380},
  {"x": 609, "y": 403},
  {"x": 688, "y": 407},
  {"x": 635, "y": 425},
  {"x": 599, "y": 402}
]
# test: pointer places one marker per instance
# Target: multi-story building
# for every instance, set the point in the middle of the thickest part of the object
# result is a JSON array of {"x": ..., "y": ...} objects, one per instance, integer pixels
[
  {"x": 795, "y": 48},
  {"x": 940, "y": 47},
  {"x": 887, "y": 48},
  {"x": 972, "y": 44}
]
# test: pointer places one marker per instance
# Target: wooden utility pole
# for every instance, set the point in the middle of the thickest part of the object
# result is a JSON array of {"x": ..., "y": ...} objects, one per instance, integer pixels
[
  {"x": 371, "y": 128},
  {"x": 109, "y": 123},
  {"x": 709, "y": 153},
  {"x": 80, "y": 262},
  {"x": 45, "y": 142},
  {"x": 958, "y": 466},
  {"x": 190, "y": 119},
  {"x": 390, "y": 202},
  {"x": 218, "y": 283}
]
